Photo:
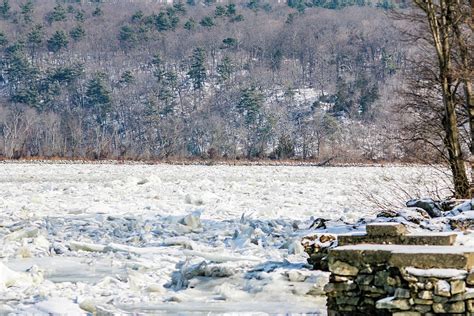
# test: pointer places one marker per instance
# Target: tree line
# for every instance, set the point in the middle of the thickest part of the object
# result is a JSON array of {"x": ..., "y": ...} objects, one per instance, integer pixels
[{"x": 247, "y": 79}]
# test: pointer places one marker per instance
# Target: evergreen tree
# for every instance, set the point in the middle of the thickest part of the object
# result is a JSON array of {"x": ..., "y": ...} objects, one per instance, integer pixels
[
  {"x": 5, "y": 9},
  {"x": 97, "y": 12},
  {"x": 219, "y": 11},
  {"x": 22, "y": 76},
  {"x": 277, "y": 58},
  {"x": 127, "y": 36},
  {"x": 58, "y": 41},
  {"x": 27, "y": 11},
  {"x": 35, "y": 38},
  {"x": 162, "y": 22},
  {"x": 158, "y": 67},
  {"x": 98, "y": 96},
  {"x": 179, "y": 7},
  {"x": 250, "y": 104},
  {"x": 167, "y": 93},
  {"x": 253, "y": 5},
  {"x": 230, "y": 9},
  {"x": 343, "y": 102},
  {"x": 58, "y": 14},
  {"x": 77, "y": 33},
  {"x": 3, "y": 39},
  {"x": 137, "y": 17},
  {"x": 190, "y": 25},
  {"x": 237, "y": 18},
  {"x": 207, "y": 22},
  {"x": 80, "y": 16},
  {"x": 225, "y": 69},
  {"x": 229, "y": 42},
  {"x": 197, "y": 73},
  {"x": 127, "y": 78}
]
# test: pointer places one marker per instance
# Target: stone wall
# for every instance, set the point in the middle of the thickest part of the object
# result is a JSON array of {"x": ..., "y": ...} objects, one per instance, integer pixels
[
  {"x": 401, "y": 280},
  {"x": 385, "y": 290}
]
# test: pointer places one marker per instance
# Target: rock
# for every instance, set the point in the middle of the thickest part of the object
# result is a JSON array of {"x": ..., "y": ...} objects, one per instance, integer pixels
[
  {"x": 470, "y": 278},
  {"x": 381, "y": 278},
  {"x": 464, "y": 207},
  {"x": 425, "y": 295},
  {"x": 296, "y": 276},
  {"x": 469, "y": 294},
  {"x": 339, "y": 287},
  {"x": 419, "y": 301},
  {"x": 442, "y": 288},
  {"x": 342, "y": 268},
  {"x": 422, "y": 308},
  {"x": 431, "y": 207},
  {"x": 372, "y": 289},
  {"x": 453, "y": 308},
  {"x": 386, "y": 229},
  {"x": 440, "y": 299},
  {"x": 339, "y": 278},
  {"x": 429, "y": 285},
  {"x": 470, "y": 305},
  {"x": 318, "y": 223},
  {"x": 364, "y": 279},
  {"x": 402, "y": 293},
  {"x": 392, "y": 303},
  {"x": 344, "y": 300},
  {"x": 458, "y": 286},
  {"x": 406, "y": 314}
]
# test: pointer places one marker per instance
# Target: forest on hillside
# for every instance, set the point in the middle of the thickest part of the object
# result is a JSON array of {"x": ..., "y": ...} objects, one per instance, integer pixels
[{"x": 245, "y": 79}]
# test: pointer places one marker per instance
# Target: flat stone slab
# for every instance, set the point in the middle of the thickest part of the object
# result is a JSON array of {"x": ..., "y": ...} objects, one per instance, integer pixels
[
  {"x": 385, "y": 229},
  {"x": 422, "y": 257},
  {"x": 436, "y": 239}
]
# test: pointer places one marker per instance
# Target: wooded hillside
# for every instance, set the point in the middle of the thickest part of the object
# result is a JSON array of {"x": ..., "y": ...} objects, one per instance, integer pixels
[{"x": 254, "y": 79}]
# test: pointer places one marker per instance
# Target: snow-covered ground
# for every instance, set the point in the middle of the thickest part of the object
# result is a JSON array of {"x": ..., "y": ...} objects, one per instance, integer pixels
[{"x": 175, "y": 239}]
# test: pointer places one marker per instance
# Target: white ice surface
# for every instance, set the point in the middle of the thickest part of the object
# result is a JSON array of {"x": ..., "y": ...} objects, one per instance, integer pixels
[{"x": 167, "y": 239}]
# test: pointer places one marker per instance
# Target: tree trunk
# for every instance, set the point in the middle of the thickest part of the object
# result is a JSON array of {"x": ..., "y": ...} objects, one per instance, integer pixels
[
  {"x": 441, "y": 23},
  {"x": 466, "y": 77}
]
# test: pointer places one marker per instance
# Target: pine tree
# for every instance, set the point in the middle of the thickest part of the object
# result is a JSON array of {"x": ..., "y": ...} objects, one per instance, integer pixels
[
  {"x": 127, "y": 36},
  {"x": 190, "y": 24},
  {"x": 179, "y": 7},
  {"x": 225, "y": 69},
  {"x": 127, "y": 78},
  {"x": 58, "y": 14},
  {"x": 250, "y": 104},
  {"x": 162, "y": 22},
  {"x": 97, "y": 12},
  {"x": 27, "y": 10},
  {"x": 35, "y": 38},
  {"x": 58, "y": 41},
  {"x": 167, "y": 93},
  {"x": 158, "y": 67},
  {"x": 3, "y": 39},
  {"x": 77, "y": 33},
  {"x": 230, "y": 9},
  {"x": 229, "y": 42},
  {"x": 80, "y": 16},
  {"x": 5, "y": 9},
  {"x": 98, "y": 96},
  {"x": 207, "y": 21},
  {"x": 197, "y": 73},
  {"x": 219, "y": 11}
]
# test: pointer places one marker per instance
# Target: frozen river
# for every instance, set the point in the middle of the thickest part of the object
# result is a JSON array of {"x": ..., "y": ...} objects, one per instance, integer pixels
[{"x": 174, "y": 239}]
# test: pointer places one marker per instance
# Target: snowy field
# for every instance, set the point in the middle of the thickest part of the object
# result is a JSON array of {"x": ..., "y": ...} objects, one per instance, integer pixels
[{"x": 168, "y": 239}]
